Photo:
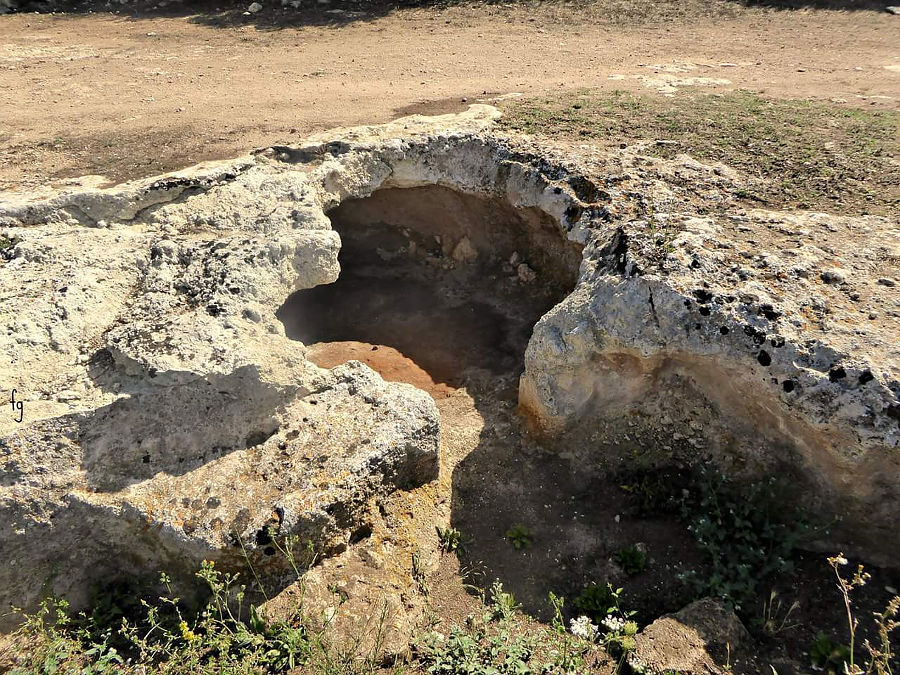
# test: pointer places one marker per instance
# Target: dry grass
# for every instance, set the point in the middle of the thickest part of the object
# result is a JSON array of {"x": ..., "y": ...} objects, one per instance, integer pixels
[{"x": 806, "y": 155}]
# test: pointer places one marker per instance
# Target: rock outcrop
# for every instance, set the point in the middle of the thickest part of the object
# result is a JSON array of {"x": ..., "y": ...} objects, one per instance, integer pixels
[
  {"x": 167, "y": 418},
  {"x": 704, "y": 637}
]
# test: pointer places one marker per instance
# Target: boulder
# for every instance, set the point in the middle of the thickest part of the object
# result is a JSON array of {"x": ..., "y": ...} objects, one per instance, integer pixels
[{"x": 704, "y": 637}]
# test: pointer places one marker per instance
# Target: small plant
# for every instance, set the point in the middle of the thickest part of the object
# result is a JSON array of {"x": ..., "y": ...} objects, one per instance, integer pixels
[
  {"x": 503, "y": 604},
  {"x": 619, "y": 639},
  {"x": 450, "y": 538},
  {"x": 583, "y": 628},
  {"x": 746, "y": 535},
  {"x": 54, "y": 643},
  {"x": 597, "y": 601},
  {"x": 631, "y": 559},
  {"x": 569, "y": 649},
  {"x": 776, "y": 617},
  {"x": 520, "y": 536},
  {"x": 885, "y": 623},
  {"x": 230, "y": 634},
  {"x": 219, "y": 635},
  {"x": 418, "y": 573},
  {"x": 600, "y": 603},
  {"x": 846, "y": 586},
  {"x": 827, "y": 655},
  {"x": 7, "y": 242},
  {"x": 744, "y": 530},
  {"x": 880, "y": 657},
  {"x": 497, "y": 643}
]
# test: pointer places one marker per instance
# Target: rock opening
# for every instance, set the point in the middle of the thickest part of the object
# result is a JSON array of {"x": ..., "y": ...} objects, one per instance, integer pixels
[{"x": 434, "y": 283}]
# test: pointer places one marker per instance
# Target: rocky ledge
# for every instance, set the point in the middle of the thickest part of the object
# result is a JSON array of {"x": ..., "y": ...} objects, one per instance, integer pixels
[{"x": 166, "y": 418}]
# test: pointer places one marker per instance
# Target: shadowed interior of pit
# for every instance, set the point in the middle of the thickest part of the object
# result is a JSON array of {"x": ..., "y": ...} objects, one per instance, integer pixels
[
  {"x": 442, "y": 333},
  {"x": 436, "y": 275}
]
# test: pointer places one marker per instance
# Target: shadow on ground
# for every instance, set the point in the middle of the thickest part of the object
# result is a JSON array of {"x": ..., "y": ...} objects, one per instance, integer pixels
[
  {"x": 281, "y": 14},
  {"x": 837, "y": 5}
]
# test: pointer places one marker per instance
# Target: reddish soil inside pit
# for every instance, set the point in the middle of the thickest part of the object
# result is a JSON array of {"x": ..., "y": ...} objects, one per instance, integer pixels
[{"x": 392, "y": 365}]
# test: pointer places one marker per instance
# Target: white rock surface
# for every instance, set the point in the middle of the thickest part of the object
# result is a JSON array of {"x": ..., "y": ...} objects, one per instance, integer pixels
[{"x": 168, "y": 419}]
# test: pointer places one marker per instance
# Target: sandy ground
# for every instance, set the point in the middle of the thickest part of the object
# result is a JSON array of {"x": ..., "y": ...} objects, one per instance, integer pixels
[{"x": 125, "y": 97}]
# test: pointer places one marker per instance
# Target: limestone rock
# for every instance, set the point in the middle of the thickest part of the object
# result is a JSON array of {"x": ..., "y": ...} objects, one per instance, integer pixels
[
  {"x": 697, "y": 640},
  {"x": 464, "y": 252},
  {"x": 167, "y": 417}
]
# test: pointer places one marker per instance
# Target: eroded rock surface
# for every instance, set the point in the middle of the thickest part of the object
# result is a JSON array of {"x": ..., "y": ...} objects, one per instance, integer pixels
[
  {"x": 168, "y": 418},
  {"x": 704, "y": 637}
]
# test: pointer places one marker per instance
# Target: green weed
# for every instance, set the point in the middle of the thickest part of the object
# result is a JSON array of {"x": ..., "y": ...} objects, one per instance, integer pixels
[
  {"x": 520, "y": 536},
  {"x": 631, "y": 559},
  {"x": 450, "y": 538}
]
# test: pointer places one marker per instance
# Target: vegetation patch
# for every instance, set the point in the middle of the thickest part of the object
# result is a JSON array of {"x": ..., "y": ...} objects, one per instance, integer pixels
[
  {"x": 745, "y": 531},
  {"x": 498, "y": 641},
  {"x": 799, "y": 153}
]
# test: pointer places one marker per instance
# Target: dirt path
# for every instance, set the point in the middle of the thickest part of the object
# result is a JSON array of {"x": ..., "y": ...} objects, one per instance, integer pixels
[{"x": 99, "y": 93}]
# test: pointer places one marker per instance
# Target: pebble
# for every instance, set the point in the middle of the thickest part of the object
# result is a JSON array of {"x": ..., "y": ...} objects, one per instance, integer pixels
[
  {"x": 833, "y": 277},
  {"x": 254, "y": 8},
  {"x": 525, "y": 273},
  {"x": 887, "y": 281}
]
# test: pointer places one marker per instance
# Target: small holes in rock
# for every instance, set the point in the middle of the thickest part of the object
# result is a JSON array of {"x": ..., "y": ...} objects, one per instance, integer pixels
[
  {"x": 769, "y": 312},
  {"x": 702, "y": 295},
  {"x": 363, "y": 532},
  {"x": 263, "y": 537}
]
